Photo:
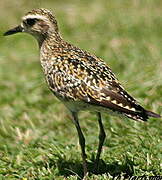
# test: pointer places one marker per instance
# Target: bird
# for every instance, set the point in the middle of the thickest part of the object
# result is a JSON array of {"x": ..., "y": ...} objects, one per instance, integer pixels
[{"x": 81, "y": 80}]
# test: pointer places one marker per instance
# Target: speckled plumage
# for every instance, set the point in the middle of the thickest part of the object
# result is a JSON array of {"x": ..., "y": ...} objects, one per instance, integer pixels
[
  {"x": 77, "y": 76},
  {"x": 79, "y": 79}
]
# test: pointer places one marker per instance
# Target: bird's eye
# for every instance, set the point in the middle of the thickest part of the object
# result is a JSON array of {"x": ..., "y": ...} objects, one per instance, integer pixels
[{"x": 30, "y": 21}]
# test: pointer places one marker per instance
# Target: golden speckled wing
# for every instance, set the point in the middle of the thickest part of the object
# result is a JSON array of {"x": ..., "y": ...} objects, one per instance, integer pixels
[{"x": 78, "y": 76}]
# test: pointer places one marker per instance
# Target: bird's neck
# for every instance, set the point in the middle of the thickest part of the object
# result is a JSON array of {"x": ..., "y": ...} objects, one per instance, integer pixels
[
  {"x": 49, "y": 46},
  {"x": 46, "y": 39}
]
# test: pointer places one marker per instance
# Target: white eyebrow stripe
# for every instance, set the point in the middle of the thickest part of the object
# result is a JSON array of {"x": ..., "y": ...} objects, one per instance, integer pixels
[{"x": 34, "y": 16}]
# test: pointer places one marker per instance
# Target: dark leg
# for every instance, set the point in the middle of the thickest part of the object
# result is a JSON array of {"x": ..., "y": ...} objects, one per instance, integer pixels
[
  {"x": 81, "y": 141},
  {"x": 102, "y": 136}
]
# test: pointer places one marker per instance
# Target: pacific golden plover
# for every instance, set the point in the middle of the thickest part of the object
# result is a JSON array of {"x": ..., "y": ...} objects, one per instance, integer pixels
[{"x": 79, "y": 79}]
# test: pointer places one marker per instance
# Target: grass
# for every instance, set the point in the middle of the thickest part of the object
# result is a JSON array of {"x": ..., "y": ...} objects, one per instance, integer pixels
[{"x": 38, "y": 139}]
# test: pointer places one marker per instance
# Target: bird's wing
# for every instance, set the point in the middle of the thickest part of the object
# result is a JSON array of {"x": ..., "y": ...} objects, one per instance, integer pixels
[{"x": 92, "y": 81}]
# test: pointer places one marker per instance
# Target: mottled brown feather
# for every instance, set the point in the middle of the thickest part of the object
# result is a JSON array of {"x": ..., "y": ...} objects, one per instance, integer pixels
[{"x": 75, "y": 75}]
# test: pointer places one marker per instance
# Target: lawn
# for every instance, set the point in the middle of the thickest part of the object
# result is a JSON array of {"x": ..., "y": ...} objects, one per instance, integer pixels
[{"x": 38, "y": 139}]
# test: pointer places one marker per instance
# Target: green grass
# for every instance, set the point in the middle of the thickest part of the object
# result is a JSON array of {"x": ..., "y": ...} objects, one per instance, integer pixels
[{"x": 37, "y": 137}]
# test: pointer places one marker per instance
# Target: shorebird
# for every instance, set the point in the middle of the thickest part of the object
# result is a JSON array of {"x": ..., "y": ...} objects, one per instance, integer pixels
[{"x": 79, "y": 79}]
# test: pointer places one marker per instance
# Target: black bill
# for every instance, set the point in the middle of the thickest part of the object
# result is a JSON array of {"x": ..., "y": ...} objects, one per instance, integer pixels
[{"x": 13, "y": 31}]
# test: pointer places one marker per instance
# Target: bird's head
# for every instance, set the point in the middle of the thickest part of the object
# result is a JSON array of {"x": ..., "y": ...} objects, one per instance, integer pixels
[{"x": 39, "y": 22}]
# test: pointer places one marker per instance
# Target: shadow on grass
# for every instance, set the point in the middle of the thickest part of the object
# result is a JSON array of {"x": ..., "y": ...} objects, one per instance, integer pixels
[{"x": 67, "y": 168}]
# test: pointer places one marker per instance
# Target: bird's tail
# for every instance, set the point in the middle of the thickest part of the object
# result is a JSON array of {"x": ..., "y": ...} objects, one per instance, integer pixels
[
  {"x": 142, "y": 115},
  {"x": 152, "y": 114}
]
